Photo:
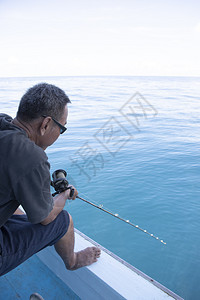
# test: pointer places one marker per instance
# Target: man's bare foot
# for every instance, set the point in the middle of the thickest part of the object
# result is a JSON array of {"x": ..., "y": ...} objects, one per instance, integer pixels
[{"x": 86, "y": 257}]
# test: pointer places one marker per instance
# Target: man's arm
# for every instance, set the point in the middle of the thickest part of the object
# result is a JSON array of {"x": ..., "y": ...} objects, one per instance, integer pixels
[{"x": 59, "y": 203}]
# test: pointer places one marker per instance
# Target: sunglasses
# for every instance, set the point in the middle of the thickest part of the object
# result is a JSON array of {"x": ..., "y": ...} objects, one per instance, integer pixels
[{"x": 62, "y": 128}]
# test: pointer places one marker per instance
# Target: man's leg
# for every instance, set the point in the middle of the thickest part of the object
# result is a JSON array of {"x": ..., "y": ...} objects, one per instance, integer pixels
[
  {"x": 65, "y": 248},
  {"x": 74, "y": 260},
  {"x": 20, "y": 240}
]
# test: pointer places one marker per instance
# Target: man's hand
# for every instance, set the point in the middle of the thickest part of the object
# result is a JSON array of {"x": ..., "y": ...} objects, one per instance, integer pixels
[
  {"x": 59, "y": 203},
  {"x": 67, "y": 193}
]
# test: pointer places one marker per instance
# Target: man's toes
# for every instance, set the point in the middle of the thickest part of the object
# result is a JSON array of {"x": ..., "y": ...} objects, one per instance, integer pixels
[
  {"x": 98, "y": 254},
  {"x": 98, "y": 251}
]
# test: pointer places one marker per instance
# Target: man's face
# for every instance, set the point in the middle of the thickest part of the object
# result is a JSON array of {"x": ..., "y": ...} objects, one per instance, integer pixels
[{"x": 53, "y": 131}]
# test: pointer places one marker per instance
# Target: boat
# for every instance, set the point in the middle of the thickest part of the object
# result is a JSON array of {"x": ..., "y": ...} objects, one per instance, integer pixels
[{"x": 109, "y": 278}]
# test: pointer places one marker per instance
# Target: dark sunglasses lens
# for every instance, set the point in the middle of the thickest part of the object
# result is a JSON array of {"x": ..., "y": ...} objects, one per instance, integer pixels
[{"x": 62, "y": 130}]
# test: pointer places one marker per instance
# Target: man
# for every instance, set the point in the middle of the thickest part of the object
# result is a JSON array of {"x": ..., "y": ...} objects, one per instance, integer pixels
[{"x": 25, "y": 180}]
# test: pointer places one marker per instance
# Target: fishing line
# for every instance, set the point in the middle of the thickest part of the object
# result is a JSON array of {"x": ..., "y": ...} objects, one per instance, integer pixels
[
  {"x": 120, "y": 218},
  {"x": 61, "y": 184}
]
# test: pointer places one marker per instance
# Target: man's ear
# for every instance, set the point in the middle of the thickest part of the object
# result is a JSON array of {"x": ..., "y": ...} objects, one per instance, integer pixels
[{"x": 44, "y": 127}]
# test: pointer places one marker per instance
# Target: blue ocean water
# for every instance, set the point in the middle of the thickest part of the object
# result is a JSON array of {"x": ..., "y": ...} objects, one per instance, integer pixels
[{"x": 133, "y": 146}]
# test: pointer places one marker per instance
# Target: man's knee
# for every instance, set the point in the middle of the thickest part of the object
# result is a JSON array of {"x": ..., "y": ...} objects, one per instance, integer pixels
[
  {"x": 60, "y": 225},
  {"x": 69, "y": 220},
  {"x": 71, "y": 223}
]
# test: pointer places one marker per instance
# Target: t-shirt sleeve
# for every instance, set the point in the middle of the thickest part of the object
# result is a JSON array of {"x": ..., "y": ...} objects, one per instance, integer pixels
[{"x": 32, "y": 191}]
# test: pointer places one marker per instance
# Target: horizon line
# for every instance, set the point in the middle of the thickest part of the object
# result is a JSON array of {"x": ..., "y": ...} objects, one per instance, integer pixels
[{"x": 51, "y": 76}]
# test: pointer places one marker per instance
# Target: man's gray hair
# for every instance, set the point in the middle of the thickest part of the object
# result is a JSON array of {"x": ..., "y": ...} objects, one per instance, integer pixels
[{"x": 42, "y": 99}]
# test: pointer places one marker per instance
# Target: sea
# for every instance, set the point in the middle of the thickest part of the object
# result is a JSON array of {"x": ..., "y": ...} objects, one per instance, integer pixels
[{"x": 132, "y": 147}]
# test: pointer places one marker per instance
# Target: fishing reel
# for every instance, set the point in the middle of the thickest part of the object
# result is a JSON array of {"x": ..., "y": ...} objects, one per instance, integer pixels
[{"x": 60, "y": 182}]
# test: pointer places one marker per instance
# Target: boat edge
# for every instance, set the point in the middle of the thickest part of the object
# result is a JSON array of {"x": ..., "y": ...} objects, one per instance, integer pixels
[{"x": 134, "y": 269}]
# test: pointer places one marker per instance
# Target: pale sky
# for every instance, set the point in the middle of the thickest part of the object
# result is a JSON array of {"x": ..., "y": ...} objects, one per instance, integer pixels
[{"x": 90, "y": 37}]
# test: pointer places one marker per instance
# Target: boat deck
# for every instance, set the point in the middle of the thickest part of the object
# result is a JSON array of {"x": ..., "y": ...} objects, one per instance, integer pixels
[
  {"x": 33, "y": 276},
  {"x": 109, "y": 278}
]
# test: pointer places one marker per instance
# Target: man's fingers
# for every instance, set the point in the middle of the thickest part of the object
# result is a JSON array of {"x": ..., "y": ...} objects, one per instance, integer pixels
[{"x": 75, "y": 194}]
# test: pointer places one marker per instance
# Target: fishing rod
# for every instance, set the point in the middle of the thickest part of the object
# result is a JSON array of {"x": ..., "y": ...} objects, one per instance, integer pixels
[
  {"x": 61, "y": 184},
  {"x": 120, "y": 218}
]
